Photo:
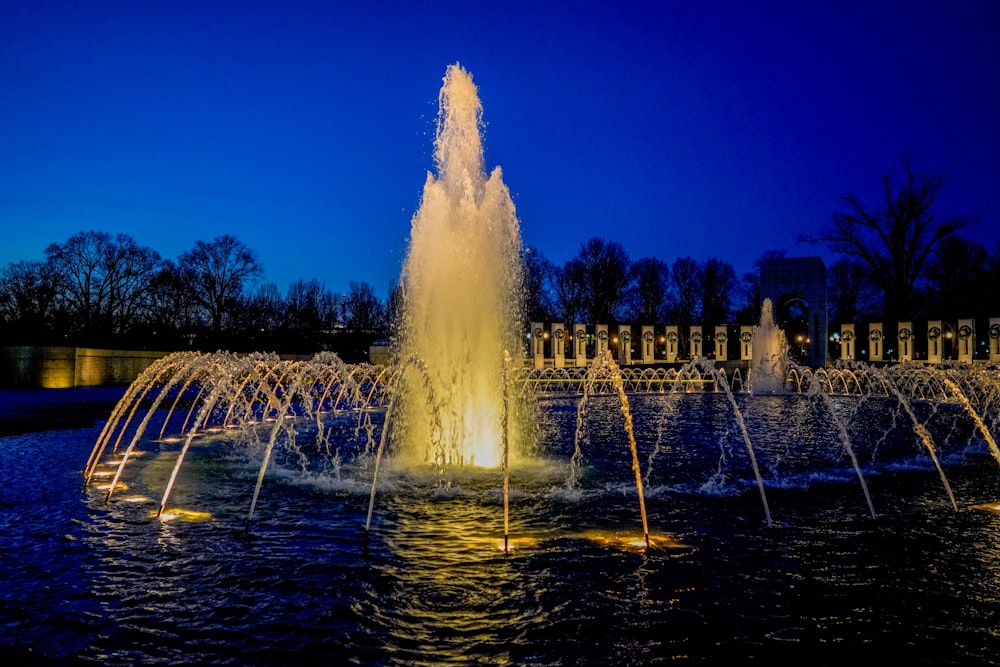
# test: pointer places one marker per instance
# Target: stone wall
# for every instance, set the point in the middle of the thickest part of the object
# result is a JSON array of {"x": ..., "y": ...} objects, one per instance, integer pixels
[{"x": 64, "y": 367}]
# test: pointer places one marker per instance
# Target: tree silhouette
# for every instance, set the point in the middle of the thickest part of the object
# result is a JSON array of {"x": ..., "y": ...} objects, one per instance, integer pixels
[
  {"x": 718, "y": 283},
  {"x": 651, "y": 285},
  {"x": 216, "y": 274},
  {"x": 103, "y": 281},
  {"x": 604, "y": 268},
  {"x": 895, "y": 241}
]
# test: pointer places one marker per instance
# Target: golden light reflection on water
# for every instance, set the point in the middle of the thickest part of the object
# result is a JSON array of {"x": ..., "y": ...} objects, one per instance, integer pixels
[
  {"x": 516, "y": 543},
  {"x": 989, "y": 507},
  {"x": 120, "y": 486},
  {"x": 180, "y": 514},
  {"x": 632, "y": 542}
]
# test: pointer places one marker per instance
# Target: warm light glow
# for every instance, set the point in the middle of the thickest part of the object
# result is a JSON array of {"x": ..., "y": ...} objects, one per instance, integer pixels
[
  {"x": 989, "y": 507},
  {"x": 176, "y": 513},
  {"x": 120, "y": 486},
  {"x": 633, "y": 542},
  {"x": 462, "y": 274},
  {"x": 136, "y": 498},
  {"x": 515, "y": 543}
]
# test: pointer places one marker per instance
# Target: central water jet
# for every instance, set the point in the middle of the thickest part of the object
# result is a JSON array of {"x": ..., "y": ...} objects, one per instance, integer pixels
[{"x": 461, "y": 287}]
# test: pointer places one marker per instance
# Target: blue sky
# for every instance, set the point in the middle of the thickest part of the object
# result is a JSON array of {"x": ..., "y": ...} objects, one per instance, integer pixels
[{"x": 702, "y": 129}]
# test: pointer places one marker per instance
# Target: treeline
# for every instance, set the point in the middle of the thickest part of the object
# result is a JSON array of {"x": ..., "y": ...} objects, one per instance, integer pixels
[
  {"x": 894, "y": 262},
  {"x": 99, "y": 290}
]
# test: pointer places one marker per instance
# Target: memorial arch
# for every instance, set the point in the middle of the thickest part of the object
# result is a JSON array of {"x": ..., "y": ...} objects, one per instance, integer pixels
[{"x": 797, "y": 289}]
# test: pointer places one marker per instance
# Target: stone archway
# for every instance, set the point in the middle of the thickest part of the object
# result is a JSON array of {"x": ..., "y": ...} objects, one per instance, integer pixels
[
  {"x": 791, "y": 314},
  {"x": 800, "y": 282}
]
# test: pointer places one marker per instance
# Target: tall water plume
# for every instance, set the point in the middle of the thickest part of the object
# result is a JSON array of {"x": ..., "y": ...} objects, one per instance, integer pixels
[
  {"x": 770, "y": 350},
  {"x": 461, "y": 293}
]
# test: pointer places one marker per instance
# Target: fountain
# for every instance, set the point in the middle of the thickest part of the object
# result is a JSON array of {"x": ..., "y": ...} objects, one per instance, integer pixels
[
  {"x": 461, "y": 293},
  {"x": 770, "y": 353},
  {"x": 228, "y": 498}
]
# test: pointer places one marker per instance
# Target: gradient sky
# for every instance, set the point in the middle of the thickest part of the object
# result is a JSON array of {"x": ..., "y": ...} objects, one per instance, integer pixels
[{"x": 702, "y": 129}]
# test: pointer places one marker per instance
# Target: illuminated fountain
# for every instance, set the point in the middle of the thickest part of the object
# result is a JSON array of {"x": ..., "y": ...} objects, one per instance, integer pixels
[
  {"x": 503, "y": 499},
  {"x": 770, "y": 353},
  {"x": 461, "y": 294}
]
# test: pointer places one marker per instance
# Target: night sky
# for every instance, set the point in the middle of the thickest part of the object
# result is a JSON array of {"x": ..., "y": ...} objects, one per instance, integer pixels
[{"x": 701, "y": 129}]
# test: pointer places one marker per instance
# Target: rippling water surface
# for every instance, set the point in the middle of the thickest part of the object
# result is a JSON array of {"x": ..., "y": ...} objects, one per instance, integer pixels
[{"x": 84, "y": 582}]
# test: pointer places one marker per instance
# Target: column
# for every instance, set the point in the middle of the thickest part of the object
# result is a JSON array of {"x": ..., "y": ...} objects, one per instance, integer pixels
[
  {"x": 875, "y": 341},
  {"x": 601, "y": 331},
  {"x": 624, "y": 344},
  {"x": 648, "y": 344},
  {"x": 746, "y": 343},
  {"x": 580, "y": 344},
  {"x": 695, "y": 344},
  {"x": 905, "y": 336},
  {"x": 847, "y": 342},
  {"x": 721, "y": 342},
  {"x": 966, "y": 340},
  {"x": 558, "y": 345},
  {"x": 994, "y": 338},
  {"x": 673, "y": 339},
  {"x": 934, "y": 341},
  {"x": 538, "y": 344}
]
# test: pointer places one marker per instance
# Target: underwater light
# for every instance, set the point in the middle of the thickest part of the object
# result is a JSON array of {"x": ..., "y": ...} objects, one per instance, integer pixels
[{"x": 177, "y": 513}]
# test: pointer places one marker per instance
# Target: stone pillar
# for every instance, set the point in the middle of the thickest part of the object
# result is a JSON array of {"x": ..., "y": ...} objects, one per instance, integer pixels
[
  {"x": 538, "y": 344},
  {"x": 966, "y": 340},
  {"x": 746, "y": 343},
  {"x": 648, "y": 345},
  {"x": 695, "y": 344},
  {"x": 848, "y": 343},
  {"x": 580, "y": 340},
  {"x": 624, "y": 344},
  {"x": 876, "y": 341},
  {"x": 721, "y": 342},
  {"x": 673, "y": 339},
  {"x": 601, "y": 331},
  {"x": 994, "y": 337},
  {"x": 558, "y": 345},
  {"x": 905, "y": 336},
  {"x": 934, "y": 341}
]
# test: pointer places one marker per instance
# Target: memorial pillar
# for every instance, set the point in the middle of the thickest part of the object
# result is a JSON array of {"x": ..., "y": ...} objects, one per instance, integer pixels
[{"x": 721, "y": 342}]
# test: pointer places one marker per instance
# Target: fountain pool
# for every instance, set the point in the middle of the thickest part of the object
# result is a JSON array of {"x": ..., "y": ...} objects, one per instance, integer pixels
[
  {"x": 455, "y": 508},
  {"x": 85, "y": 582}
]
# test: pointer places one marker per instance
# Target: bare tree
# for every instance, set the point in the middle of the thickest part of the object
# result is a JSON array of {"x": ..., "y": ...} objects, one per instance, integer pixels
[
  {"x": 605, "y": 270},
  {"x": 305, "y": 307},
  {"x": 851, "y": 293},
  {"x": 171, "y": 305},
  {"x": 537, "y": 272},
  {"x": 216, "y": 273},
  {"x": 651, "y": 285},
  {"x": 686, "y": 277},
  {"x": 718, "y": 283},
  {"x": 131, "y": 270},
  {"x": 261, "y": 317},
  {"x": 28, "y": 291},
  {"x": 956, "y": 273},
  {"x": 363, "y": 311},
  {"x": 895, "y": 241},
  {"x": 568, "y": 284},
  {"x": 103, "y": 281}
]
